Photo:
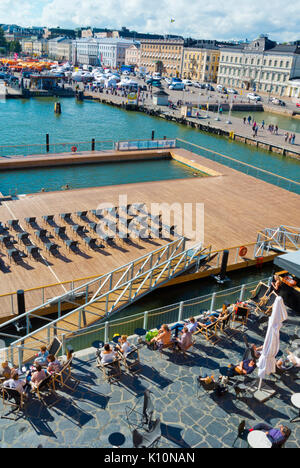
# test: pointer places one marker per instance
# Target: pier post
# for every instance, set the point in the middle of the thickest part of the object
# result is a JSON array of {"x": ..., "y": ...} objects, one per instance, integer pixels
[
  {"x": 242, "y": 293},
  {"x": 212, "y": 304},
  {"x": 145, "y": 324},
  {"x": 152, "y": 135},
  {"x": 93, "y": 144},
  {"x": 47, "y": 143},
  {"x": 180, "y": 312},
  {"x": 21, "y": 302},
  {"x": 106, "y": 327},
  {"x": 20, "y": 356}
]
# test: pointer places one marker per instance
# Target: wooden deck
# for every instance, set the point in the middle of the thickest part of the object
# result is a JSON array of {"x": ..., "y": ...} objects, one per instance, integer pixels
[{"x": 236, "y": 207}]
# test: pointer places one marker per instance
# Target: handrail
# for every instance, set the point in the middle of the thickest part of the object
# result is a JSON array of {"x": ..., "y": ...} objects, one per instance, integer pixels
[
  {"x": 178, "y": 241},
  {"x": 240, "y": 162},
  {"x": 38, "y": 288},
  {"x": 82, "y": 307},
  {"x": 56, "y": 144}
]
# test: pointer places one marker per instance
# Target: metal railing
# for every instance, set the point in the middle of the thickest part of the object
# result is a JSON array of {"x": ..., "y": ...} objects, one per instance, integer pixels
[
  {"x": 104, "y": 331},
  {"x": 241, "y": 166},
  {"x": 90, "y": 290},
  {"x": 102, "y": 304},
  {"x": 279, "y": 239},
  {"x": 13, "y": 151}
]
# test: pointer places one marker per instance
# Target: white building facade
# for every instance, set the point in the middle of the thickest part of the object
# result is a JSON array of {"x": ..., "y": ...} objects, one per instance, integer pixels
[
  {"x": 104, "y": 51},
  {"x": 261, "y": 66}
]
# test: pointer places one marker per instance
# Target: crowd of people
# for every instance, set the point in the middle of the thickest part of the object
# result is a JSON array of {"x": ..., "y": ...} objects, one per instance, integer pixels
[
  {"x": 273, "y": 129},
  {"x": 45, "y": 364}
]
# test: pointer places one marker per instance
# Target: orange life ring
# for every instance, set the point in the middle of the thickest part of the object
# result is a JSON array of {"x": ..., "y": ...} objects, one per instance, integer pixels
[
  {"x": 243, "y": 251},
  {"x": 74, "y": 149}
]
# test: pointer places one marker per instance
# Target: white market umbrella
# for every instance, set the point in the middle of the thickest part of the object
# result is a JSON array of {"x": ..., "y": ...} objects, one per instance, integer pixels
[{"x": 267, "y": 361}]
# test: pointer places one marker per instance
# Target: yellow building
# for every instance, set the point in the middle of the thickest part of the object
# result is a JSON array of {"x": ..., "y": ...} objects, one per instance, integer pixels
[
  {"x": 27, "y": 46},
  {"x": 162, "y": 55},
  {"x": 200, "y": 64}
]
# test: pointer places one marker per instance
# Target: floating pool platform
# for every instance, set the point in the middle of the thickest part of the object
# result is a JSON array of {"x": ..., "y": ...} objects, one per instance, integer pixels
[{"x": 236, "y": 207}]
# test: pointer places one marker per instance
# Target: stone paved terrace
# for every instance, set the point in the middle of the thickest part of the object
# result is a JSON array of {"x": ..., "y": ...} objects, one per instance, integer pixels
[{"x": 95, "y": 410}]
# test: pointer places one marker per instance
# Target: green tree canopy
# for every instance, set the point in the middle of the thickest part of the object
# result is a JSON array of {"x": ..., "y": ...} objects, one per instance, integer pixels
[{"x": 3, "y": 42}]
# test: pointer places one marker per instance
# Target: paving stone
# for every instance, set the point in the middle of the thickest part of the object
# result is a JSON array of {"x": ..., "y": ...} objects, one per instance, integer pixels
[{"x": 87, "y": 417}]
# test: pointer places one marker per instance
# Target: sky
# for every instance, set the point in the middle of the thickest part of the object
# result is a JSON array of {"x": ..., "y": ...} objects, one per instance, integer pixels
[{"x": 202, "y": 19}]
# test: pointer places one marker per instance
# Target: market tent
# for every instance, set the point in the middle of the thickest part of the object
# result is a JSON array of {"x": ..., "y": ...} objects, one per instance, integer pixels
[{"x": 289, "y": 262}]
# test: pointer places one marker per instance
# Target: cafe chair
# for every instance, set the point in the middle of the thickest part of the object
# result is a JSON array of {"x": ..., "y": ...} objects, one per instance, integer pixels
[
  {"x": 131, "y": 361},
  {"x": 147, "y": 439},
  {"x": 13, "y": 399},
  {"x": 111, "y": 370},
  {"x": 142, "y": 419}
]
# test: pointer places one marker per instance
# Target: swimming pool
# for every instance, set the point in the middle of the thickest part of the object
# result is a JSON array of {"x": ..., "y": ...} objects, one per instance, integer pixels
[{"x": 33, "y": 180}]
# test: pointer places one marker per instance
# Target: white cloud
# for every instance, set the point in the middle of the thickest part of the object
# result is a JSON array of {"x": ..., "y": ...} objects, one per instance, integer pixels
[{"x": 211, "y": 20}]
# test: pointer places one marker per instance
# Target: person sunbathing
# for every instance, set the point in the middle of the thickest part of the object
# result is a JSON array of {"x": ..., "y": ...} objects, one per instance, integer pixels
[
  {"x": 245, "y": 367},
  {"x": 163, "y": 338}
]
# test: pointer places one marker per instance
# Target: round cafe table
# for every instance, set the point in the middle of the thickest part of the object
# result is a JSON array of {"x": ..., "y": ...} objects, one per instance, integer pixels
[
  {"x": 258, "y": 439},
  {"x": 295, "y": 399}
]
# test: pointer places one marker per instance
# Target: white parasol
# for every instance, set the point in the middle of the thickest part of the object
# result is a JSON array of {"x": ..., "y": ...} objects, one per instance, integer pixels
[{"x": 267, "y": 361}]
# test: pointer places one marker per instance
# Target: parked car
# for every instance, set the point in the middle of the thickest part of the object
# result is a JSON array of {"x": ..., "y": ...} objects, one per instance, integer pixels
[
  {"x": 277, "y": 101},
  {"x": 168, "y": 80},
  {"x": 187, "y": 82},
  {"x": 231, "y": 91},
  {"x": 253, "y": 97},
  {"x": 156, "y": 84},
  {"x": 209, "y": 87},
  {"x": 298, "y": 104},
  {"x": 177, "y": 86}
]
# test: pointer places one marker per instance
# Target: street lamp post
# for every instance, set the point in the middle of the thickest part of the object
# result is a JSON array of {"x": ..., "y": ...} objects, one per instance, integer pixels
[
  {"x": 218, "y": 118},
  {"x": 230, "y": 108}
]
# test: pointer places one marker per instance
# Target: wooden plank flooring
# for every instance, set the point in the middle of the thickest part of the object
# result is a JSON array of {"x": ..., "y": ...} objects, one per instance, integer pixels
[{"x": 236, "y": 207}]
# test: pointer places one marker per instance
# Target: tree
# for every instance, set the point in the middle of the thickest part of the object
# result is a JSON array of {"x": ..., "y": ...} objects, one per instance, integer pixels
[
  {"x": 3, "y": 42},
  {"x": 15, "y": 46}
]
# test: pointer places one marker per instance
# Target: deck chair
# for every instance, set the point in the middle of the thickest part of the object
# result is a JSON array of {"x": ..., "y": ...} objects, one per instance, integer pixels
[
  {"x": 223, "y": 324},
  {"x": 30, "y": 221},
  {"x": 55, "y": 346},
  {"x": 111, "y": 371},
  {"x": 142, "y": 419},
  {"x": 131, "y": 361},
  {"x": 14, "y": 223},
  {"x": 64, "y": 376},
  {"x": 257, "y": 294},
  {"x": 210, "y": 332},
  {"x": 178, "y": 351},
  {"x": 13, "y": 399},
  {"x": 67, "y": 217},
  {"x": 265, "y": 305},
  {"x": 43, "y": 387},
  {"x": 240, "y": 316},
  {"x": 147, "y": 439},
  {"x": 204, "y": 388}
]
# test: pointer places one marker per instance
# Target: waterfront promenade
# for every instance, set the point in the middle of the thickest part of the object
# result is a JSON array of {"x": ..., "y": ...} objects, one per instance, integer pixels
[{"x": 264, "y": 138}]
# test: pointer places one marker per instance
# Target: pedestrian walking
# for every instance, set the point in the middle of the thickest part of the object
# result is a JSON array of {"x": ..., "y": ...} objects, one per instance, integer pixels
[
  {"x": 244, "y": 119},
  {"x": 293, "y": 138},
  {"x": 249, "y": 119},
  {"x": 256, "y": 130},
  {"x": 276, "y": 130},
  {"x": 286, "y": 135},
  {"x": 290, "y": 138},
  {"x": 263, "y": 124}
]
